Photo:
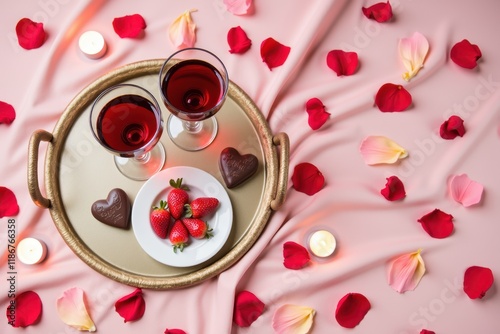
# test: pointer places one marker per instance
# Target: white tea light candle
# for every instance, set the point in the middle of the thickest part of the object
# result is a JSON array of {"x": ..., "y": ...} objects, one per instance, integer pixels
[
  {"x": 31, "y": 251},
  {"x": 322, "y": 243},
  {"x": 92, "y": 44}
]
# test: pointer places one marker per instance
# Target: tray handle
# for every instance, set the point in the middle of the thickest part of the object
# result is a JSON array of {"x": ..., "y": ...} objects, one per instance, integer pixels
[
  {"x": 33, "y": 186},
  {"x": 281, "y": 140}
]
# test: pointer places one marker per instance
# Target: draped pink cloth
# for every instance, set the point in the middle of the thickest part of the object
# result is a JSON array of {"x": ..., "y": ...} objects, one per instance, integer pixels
[{"x": 369, "y": 229}]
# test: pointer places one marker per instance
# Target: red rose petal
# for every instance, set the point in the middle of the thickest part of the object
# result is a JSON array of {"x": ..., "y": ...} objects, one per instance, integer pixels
[
  {"x": 30, "y": 35},
  {"x": 437, "y": 224},
  {"x": 132, "y": 306},
  {"x": 465, "y": 54},
  {"x": 174, "y": 331},
  {"x": 317, "y": 114},
  {"x": 295, "y": 256},
  {"x": 380, "y": 12},
  {"x": 24, "y": 310},
  {"x": 7, "y": 113},
  {"x": 247, "y": 308},
  {"x": 307, "y": 178},
  {"x": 394, "y": 189},
  {"x": 341, "y": 62},
  {"x": 351, "y": 309},
  {"x": 8, "y": 203},
  {"x": 273, "y": 53},
  {"x": 425, "y": 331},
  {"x": 238, "y": 40},
  {"x": 129, "y": 26},
  {"x": 391, "y": 97},
  {"x": 477, "y": 281},
  {"x": 452, "y": 128}
]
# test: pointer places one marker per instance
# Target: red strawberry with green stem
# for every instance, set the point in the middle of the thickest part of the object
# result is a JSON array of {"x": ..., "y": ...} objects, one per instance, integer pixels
[
  {"x": 178, "y": 236},
  {"x": 160, "y": 219},
  {"x": 177, "y": 197},
  {"x": 197, "y": 228},
  {"x": 201, "y": 206}
]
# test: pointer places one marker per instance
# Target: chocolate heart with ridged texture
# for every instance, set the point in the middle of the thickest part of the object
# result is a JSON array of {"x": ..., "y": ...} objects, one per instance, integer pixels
[
  {"x": 114, "y": 210},
  {"x": 236, "y": 168}
]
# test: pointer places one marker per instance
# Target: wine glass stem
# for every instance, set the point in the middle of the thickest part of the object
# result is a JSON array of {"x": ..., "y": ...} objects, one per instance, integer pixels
[
  {"x": 192, "y": 126},
  {"x": 143, "y": 158}
]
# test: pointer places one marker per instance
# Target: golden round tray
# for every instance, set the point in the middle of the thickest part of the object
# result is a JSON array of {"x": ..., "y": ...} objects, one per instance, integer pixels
[{"x": 78, "y": 171}]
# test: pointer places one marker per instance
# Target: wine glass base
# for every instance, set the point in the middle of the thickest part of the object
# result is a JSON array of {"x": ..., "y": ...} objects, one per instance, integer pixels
[
  {"x": 141, "y": 169},
  {"x": 197, "y": 139}
]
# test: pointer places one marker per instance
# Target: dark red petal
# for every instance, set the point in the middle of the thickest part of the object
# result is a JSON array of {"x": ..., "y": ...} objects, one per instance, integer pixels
[
  {"x": 341, "y": 62},
  {"x": 394, "y": 189},
  {"x": 380, "y": 12},
  {"x": 174, "y": 331},
  {"x": 129, "y": 26},
  {"x": 132, "y": 306},
  {"x": 452, "y": 128},
  {"x": 391, "y": 97},
  {"x": 437, "y": 224},
  {"x": 30, "y": 35},
  {"x": 317, "y": 113},
  {"x": 8, "y": 203},
  {"x": 238, "y": 40},
  {"x": 247, "y": 308},
  {"x": 7, "y": 113},
  {"x": 425, "y": 331},
  {"x": 465, "y": 54},
  {"x": 477, "y": 281},
  {"x": 273, "y": 53},
  {"x": 307, "y": 178},
  {"x": 24, "y": 310},
  {"x": 295, "y": 256},
  {"x": 351, "y": 309}
]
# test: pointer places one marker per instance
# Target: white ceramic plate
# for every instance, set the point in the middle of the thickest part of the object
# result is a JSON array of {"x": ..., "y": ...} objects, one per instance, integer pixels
[{"x": 201, "y": 184}]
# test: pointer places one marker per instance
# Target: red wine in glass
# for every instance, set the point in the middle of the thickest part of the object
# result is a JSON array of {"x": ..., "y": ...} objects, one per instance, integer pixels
[
  {"x": 127, "y": 123},
  {"x": 194, "y": 87}
]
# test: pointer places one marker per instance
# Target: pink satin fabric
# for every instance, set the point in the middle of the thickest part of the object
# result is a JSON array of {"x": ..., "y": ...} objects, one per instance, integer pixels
[{"x": 370, "y": 230}]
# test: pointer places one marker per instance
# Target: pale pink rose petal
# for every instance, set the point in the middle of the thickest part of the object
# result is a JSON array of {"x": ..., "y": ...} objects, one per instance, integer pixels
[
  {"x": 182, "y": 31},
  {"x": 294, "y": 319},
  {"x": 406, "y": 271},
  {"x": 412, "y": 51},
  {"x": 465, "y": 191},
  {"x": 72, "y": 310},
  {"x": 381, "y": 150},
  {"x": 238, "y": 7}
]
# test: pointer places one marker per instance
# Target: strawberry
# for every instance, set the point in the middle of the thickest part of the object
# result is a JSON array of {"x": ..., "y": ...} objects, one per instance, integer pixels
[
  {"x": 201, "y": 206},
  {"x": 197, "y": 228},
  {"x": 177, "y": 197},
  {"x": 160, "y": 218},
  {"x": 178, "y": 236}
]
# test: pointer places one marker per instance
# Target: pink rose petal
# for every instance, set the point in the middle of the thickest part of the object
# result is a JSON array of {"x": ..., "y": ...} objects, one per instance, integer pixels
[
  {"x": 465, "y": 191},
  {"x": 30, "y": 35},
  {"x": 342, "y": 62},
  {"x": 273, "y": 53},
  {"x": 182, "y": 31},
  {"x": 351, "y": 309},
  {"x": 238, "y": 7},
  {"x": 413, "y": 51},
  {"x": 307, "y": 178},
  {"x": 129, "y": 26},
  {"x": 405, "y": 271},
  {"x": 317, "y": 113},
  {"x": 247, "y": 308},
  {"x": 7, "y": 113},
  {"x": 477, "y": 281},
  {"x": 8, "y": 203},
  {"x": 72, "y": 310},
  {"x": 25, "y": 310},
  {"x": 132, "y": 306},
  {"x": 437, "y": 224},
  {"x": 295, "y": 256}
]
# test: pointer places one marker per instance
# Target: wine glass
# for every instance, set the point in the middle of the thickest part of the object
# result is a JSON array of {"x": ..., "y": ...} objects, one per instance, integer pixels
[
  {"x": 193, "y": 85},
  {"x": 126, "y": 120}
]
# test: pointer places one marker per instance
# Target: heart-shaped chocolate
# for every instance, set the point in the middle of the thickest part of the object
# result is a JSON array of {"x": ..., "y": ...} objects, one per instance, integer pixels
[
  {"x": 114, "y": 210},
  {"x": 236, "y": 168}
]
